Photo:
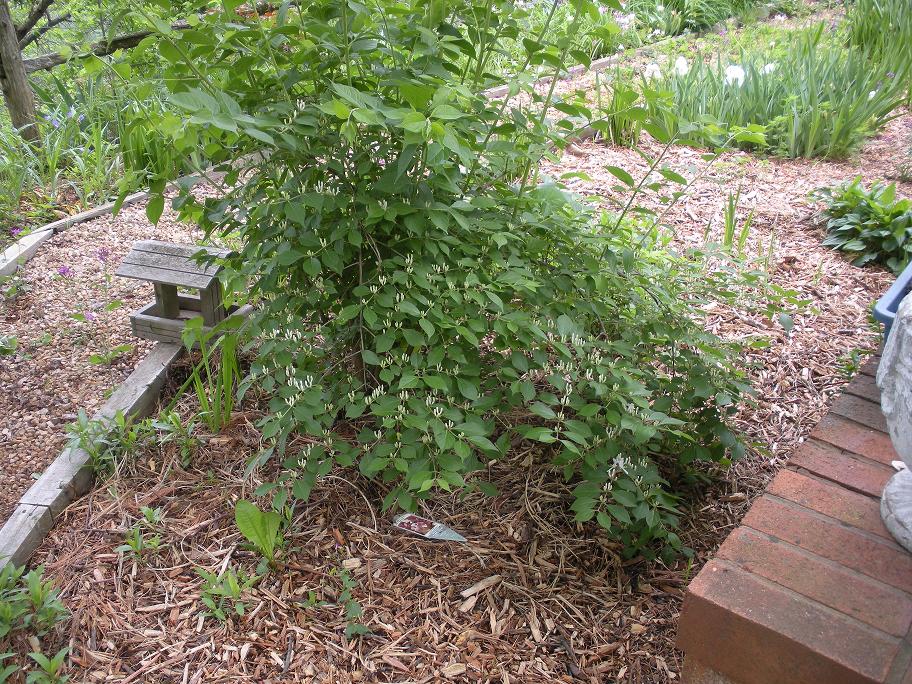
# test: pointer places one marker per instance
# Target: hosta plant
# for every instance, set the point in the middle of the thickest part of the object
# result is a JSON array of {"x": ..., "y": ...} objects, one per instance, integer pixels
[
  {"x": 426, "y": 301},
  {"x": 871, "y": 225}
]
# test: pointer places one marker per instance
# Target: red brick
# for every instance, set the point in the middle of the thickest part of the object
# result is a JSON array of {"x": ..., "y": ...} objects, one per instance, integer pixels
[
  {"x": 864, "y": 386},
  {"x": 696, "y": 672},
  {"x": 860, "y": 410},
  {"x": 830, "y": 539},
  {"x": 851, "y": 508},
  {"x": 854, "y": 437},
  {"x": 854, "y": 472},
  {"x": 820, "y": 580},
  {"x": 757, "y": 632}
]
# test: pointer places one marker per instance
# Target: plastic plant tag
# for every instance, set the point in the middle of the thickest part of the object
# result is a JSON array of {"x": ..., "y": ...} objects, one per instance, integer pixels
[{"x": 425, "y": 528}]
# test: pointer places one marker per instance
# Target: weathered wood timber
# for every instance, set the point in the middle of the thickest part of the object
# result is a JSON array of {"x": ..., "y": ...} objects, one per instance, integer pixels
[{"x": 169, "y": 266}]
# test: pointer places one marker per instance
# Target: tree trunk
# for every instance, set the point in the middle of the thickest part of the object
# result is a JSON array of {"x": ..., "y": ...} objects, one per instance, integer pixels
[{"x": 16, "y": 89}]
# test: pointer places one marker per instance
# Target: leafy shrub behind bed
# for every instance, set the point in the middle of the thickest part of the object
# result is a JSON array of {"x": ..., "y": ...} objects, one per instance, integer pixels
[
  {"x": 871, "y": 225},
  {"x": 427, "y": 303},
  {"x": 817, "y": 101}
]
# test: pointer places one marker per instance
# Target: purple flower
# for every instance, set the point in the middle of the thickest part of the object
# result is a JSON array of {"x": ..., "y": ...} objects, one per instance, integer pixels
[
  {"x": 66, "y": 272},
  {"x": 90, "y": 316},
  {"x": 103, "y": 255},
  {"x": 891, "y": 74},
  {"x": 16, "y": 230}
]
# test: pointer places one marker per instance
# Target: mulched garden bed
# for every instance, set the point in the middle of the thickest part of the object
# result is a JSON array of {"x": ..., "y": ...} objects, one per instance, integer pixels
[{"x": 561, "y": 605}]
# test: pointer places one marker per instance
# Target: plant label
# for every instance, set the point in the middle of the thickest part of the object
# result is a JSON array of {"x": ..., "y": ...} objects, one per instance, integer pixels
[{"x": 425, "y": 528}]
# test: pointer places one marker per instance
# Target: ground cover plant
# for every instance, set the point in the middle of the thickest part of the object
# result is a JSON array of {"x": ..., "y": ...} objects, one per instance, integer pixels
[
  {"x": 817, "y": 99},
  {"x": 426, "y": 300},
  {"x": 871, "y": 224}
]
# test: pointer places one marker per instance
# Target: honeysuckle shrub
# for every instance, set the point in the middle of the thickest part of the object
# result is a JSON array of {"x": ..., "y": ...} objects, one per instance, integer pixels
[{"x": 426, "y": 300}]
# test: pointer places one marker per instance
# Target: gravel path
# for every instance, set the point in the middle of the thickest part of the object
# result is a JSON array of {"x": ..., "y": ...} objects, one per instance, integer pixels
[{"x": 51, "y": 376}]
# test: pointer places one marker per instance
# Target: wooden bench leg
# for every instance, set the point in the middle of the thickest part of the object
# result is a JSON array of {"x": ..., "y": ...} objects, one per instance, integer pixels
[{"x": 166, "y": 298}]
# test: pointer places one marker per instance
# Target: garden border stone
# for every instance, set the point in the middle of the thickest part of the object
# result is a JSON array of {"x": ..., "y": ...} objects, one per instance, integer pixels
[{"x": 69, "y": 476}]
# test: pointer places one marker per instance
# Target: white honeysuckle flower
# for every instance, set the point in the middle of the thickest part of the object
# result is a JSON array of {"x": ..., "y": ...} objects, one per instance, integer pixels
[
  {"x": 769, "y": 68},
  {"x": 734, "y": 74},
  {"x": 681, "y": 66},
  {"x": 872, "y": 94},
  {"x": 652, "y": 71}
]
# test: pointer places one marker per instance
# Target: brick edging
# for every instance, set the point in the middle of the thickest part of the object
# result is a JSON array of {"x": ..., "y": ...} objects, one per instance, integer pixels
[
  {"x": 811, "y": 587},
  {"x": 70, "y": 475}
]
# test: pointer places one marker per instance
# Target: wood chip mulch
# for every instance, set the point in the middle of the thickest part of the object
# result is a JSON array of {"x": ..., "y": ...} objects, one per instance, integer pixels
[{"x": 558, "y": 602}]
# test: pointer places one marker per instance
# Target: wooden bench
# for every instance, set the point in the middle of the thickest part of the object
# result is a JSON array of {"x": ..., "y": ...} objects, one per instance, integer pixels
[{"x": 168, "y": 267}]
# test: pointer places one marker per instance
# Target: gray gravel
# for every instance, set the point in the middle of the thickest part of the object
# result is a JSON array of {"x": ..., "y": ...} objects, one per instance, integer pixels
[{"x": 51, "y": 376}]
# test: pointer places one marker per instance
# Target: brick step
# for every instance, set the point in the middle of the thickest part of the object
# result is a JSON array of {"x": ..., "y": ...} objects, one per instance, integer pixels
[{"x": 811, "y": 588}]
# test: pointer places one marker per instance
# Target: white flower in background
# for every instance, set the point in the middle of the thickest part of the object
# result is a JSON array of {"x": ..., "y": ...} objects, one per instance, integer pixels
[
  {"x": 734, "y": 74},
  {"x": 621, "y": 48},
  {"x": 652, "y": 71},
  {"x": 681, "y": 66},
  {"x": 779, "y": 17},
  {"x": 872, "y": 94},
  {"x": 768, "y": 68},
  {"x": 625, "y": 21}
]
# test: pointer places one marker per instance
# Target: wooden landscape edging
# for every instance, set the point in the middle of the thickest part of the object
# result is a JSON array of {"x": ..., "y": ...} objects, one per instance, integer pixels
[
  {"x": 25, "y": 247},
  {"x": 70, "y": 475}
]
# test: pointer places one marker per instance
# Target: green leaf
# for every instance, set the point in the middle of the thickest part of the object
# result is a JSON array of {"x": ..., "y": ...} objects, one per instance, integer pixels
[
  {"x": 155, "y": 207},
  {"x": 260, "y": 528},
  {"x": 622, "y": 175},
  {"x": 468, "y": 388}
]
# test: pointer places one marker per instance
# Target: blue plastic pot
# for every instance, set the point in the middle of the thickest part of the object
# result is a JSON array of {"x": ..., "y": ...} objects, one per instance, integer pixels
[{"x": 886, "y": 307}]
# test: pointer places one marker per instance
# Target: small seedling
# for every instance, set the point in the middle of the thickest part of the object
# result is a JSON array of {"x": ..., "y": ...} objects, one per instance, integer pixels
[
  {"x": 352, "y": 607},
  {"x": 50, "y": 668},
  {"x": 106, "y": 358},
  {"x": 8, "y": 345},
  {"x": 7, "y": 671},
  {"x": 45, "y": 607},
  {"x": 172, "y": 430},
  {"x": 138, "y": 544},
  {"x": 261, "y": 528},
  {"x": 224, "y": 593},
  {"x": 151, "y": 516}
]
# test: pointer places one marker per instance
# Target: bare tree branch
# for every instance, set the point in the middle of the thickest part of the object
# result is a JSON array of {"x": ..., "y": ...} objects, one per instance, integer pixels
[
  {"x": 37, "y": 33},
  {"x": 107, "y": 47},
  {"x": 33, "y": 18}
]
